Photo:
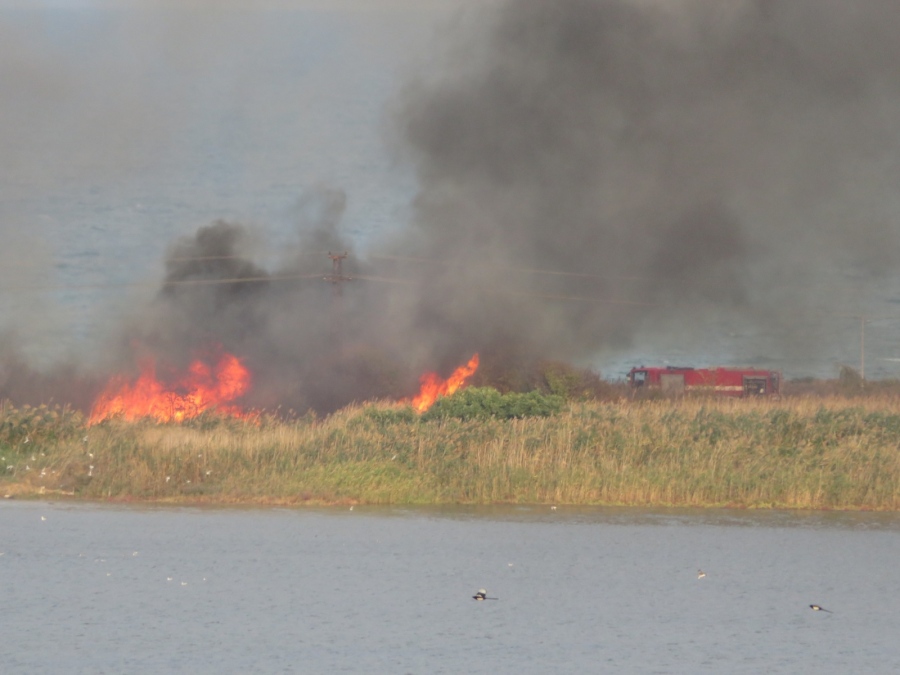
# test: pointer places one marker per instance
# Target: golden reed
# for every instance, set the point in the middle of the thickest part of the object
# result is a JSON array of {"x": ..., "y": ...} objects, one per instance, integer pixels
[{"x": 799, "y": 452}]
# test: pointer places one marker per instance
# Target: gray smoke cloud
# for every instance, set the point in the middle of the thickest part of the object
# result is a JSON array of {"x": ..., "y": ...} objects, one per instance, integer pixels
[
  {"x": 589, "y": 171},
  {"x": 696, "y": 158}
]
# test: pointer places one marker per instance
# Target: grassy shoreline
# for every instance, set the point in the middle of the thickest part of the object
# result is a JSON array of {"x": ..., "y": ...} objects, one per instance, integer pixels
[{"x": 795, "y": 453}]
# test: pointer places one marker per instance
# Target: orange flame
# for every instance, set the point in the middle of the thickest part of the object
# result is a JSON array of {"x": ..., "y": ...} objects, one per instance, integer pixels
[
  {"x": 433, "y": 387},
  {"x": 202, "y": 388}
]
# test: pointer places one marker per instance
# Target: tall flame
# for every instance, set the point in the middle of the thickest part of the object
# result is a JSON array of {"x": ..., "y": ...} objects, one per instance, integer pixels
[
  {"x": 433, "y": 387},
  {"x": 201, "y": 388}
]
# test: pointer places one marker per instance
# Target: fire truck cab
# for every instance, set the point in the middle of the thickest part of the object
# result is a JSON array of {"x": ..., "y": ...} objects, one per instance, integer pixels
[{"x": 723, "y": 381}]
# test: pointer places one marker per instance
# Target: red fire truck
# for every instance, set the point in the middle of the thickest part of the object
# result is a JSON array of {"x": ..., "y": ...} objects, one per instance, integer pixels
[{"x": 723, "y": 381}]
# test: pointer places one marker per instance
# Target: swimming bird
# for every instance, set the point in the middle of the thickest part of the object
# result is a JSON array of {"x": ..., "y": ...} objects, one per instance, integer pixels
[
  {"x": 482, "y": 595},
  {"x": 819, "y": 608},
  {"x": 700, "y": 574}
]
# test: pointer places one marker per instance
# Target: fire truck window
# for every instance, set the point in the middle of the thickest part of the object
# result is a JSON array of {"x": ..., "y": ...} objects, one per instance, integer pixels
[
  {"x": 754, "y": 386},
  {"x": 640, "y": 377}
]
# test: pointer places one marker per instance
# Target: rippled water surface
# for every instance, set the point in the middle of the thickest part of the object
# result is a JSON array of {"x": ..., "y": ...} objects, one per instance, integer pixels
[{"x": 91, "y": 589}]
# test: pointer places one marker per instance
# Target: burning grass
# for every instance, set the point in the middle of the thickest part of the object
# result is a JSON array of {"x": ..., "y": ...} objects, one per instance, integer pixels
[
  {"x": 816, "y": 453},
  {"x": 204, "y": 386}
]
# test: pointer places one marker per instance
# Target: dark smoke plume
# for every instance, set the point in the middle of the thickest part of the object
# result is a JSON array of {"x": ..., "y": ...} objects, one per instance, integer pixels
[
  {"x": 306, "y": 345},
  {"x": 691, "y": 156}
]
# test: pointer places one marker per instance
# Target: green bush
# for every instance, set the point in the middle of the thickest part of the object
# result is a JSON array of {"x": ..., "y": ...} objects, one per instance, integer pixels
[
  {"x": 481, "y": 403},
  {"x": 389, "y": 416},
  {"x": 574, "y": 384}
]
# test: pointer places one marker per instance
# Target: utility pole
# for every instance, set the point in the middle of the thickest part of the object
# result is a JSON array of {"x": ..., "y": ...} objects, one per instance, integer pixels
[
  {"x": 337, "y": 277},
  {"x": 862, "y": 348},
  {"x": 337, "y": 280}
]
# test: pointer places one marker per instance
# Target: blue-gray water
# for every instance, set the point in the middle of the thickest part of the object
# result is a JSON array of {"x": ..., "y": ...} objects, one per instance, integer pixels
[{"x": 96, "y": 589}]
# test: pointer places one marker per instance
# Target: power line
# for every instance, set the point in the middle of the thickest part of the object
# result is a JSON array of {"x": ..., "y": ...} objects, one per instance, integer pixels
[
  {"x": 514, "y": 268},
  {"x": 545, "y": 296},
  {"x": 336, "y": 277},
  {"x": 188, "y": 258},
  {"x": 417, "y": 259},
  {"x": 381, "y": 279},
  {"x": 166, "y": 282}
]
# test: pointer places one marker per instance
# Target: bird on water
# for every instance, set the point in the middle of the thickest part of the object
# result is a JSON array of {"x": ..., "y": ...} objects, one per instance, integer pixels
[
  {"x": 819, "y": 608},
  {"x": 482, "y": 595},
  {"x": 700, "y": 574}
]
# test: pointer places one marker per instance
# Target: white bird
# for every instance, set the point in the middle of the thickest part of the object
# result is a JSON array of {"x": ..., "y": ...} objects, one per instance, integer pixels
[{"x": 700, "y": 574}]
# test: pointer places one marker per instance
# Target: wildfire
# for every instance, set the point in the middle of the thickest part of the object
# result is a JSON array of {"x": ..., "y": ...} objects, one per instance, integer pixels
[
  {"x": 201, "y": 388},
  {"x": 433, "y": 387}
]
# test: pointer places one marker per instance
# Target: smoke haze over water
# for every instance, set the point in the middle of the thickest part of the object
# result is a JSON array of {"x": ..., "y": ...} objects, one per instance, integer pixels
[{"x": 589, "y": 173}]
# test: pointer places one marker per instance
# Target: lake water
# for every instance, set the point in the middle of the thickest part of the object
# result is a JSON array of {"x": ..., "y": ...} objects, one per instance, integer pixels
[{"x": 99, "y": 589}]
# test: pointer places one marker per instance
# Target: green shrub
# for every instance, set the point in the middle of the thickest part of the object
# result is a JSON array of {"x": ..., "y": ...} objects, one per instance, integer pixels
[
  {"x": 385, "y": 416},
  {"x": 481, "y": 403},
  {"x": 574, "y": 384}
]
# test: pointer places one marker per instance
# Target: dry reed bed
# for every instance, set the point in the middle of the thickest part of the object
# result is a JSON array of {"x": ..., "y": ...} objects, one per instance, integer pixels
[{"x": 795, "y": 453}]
